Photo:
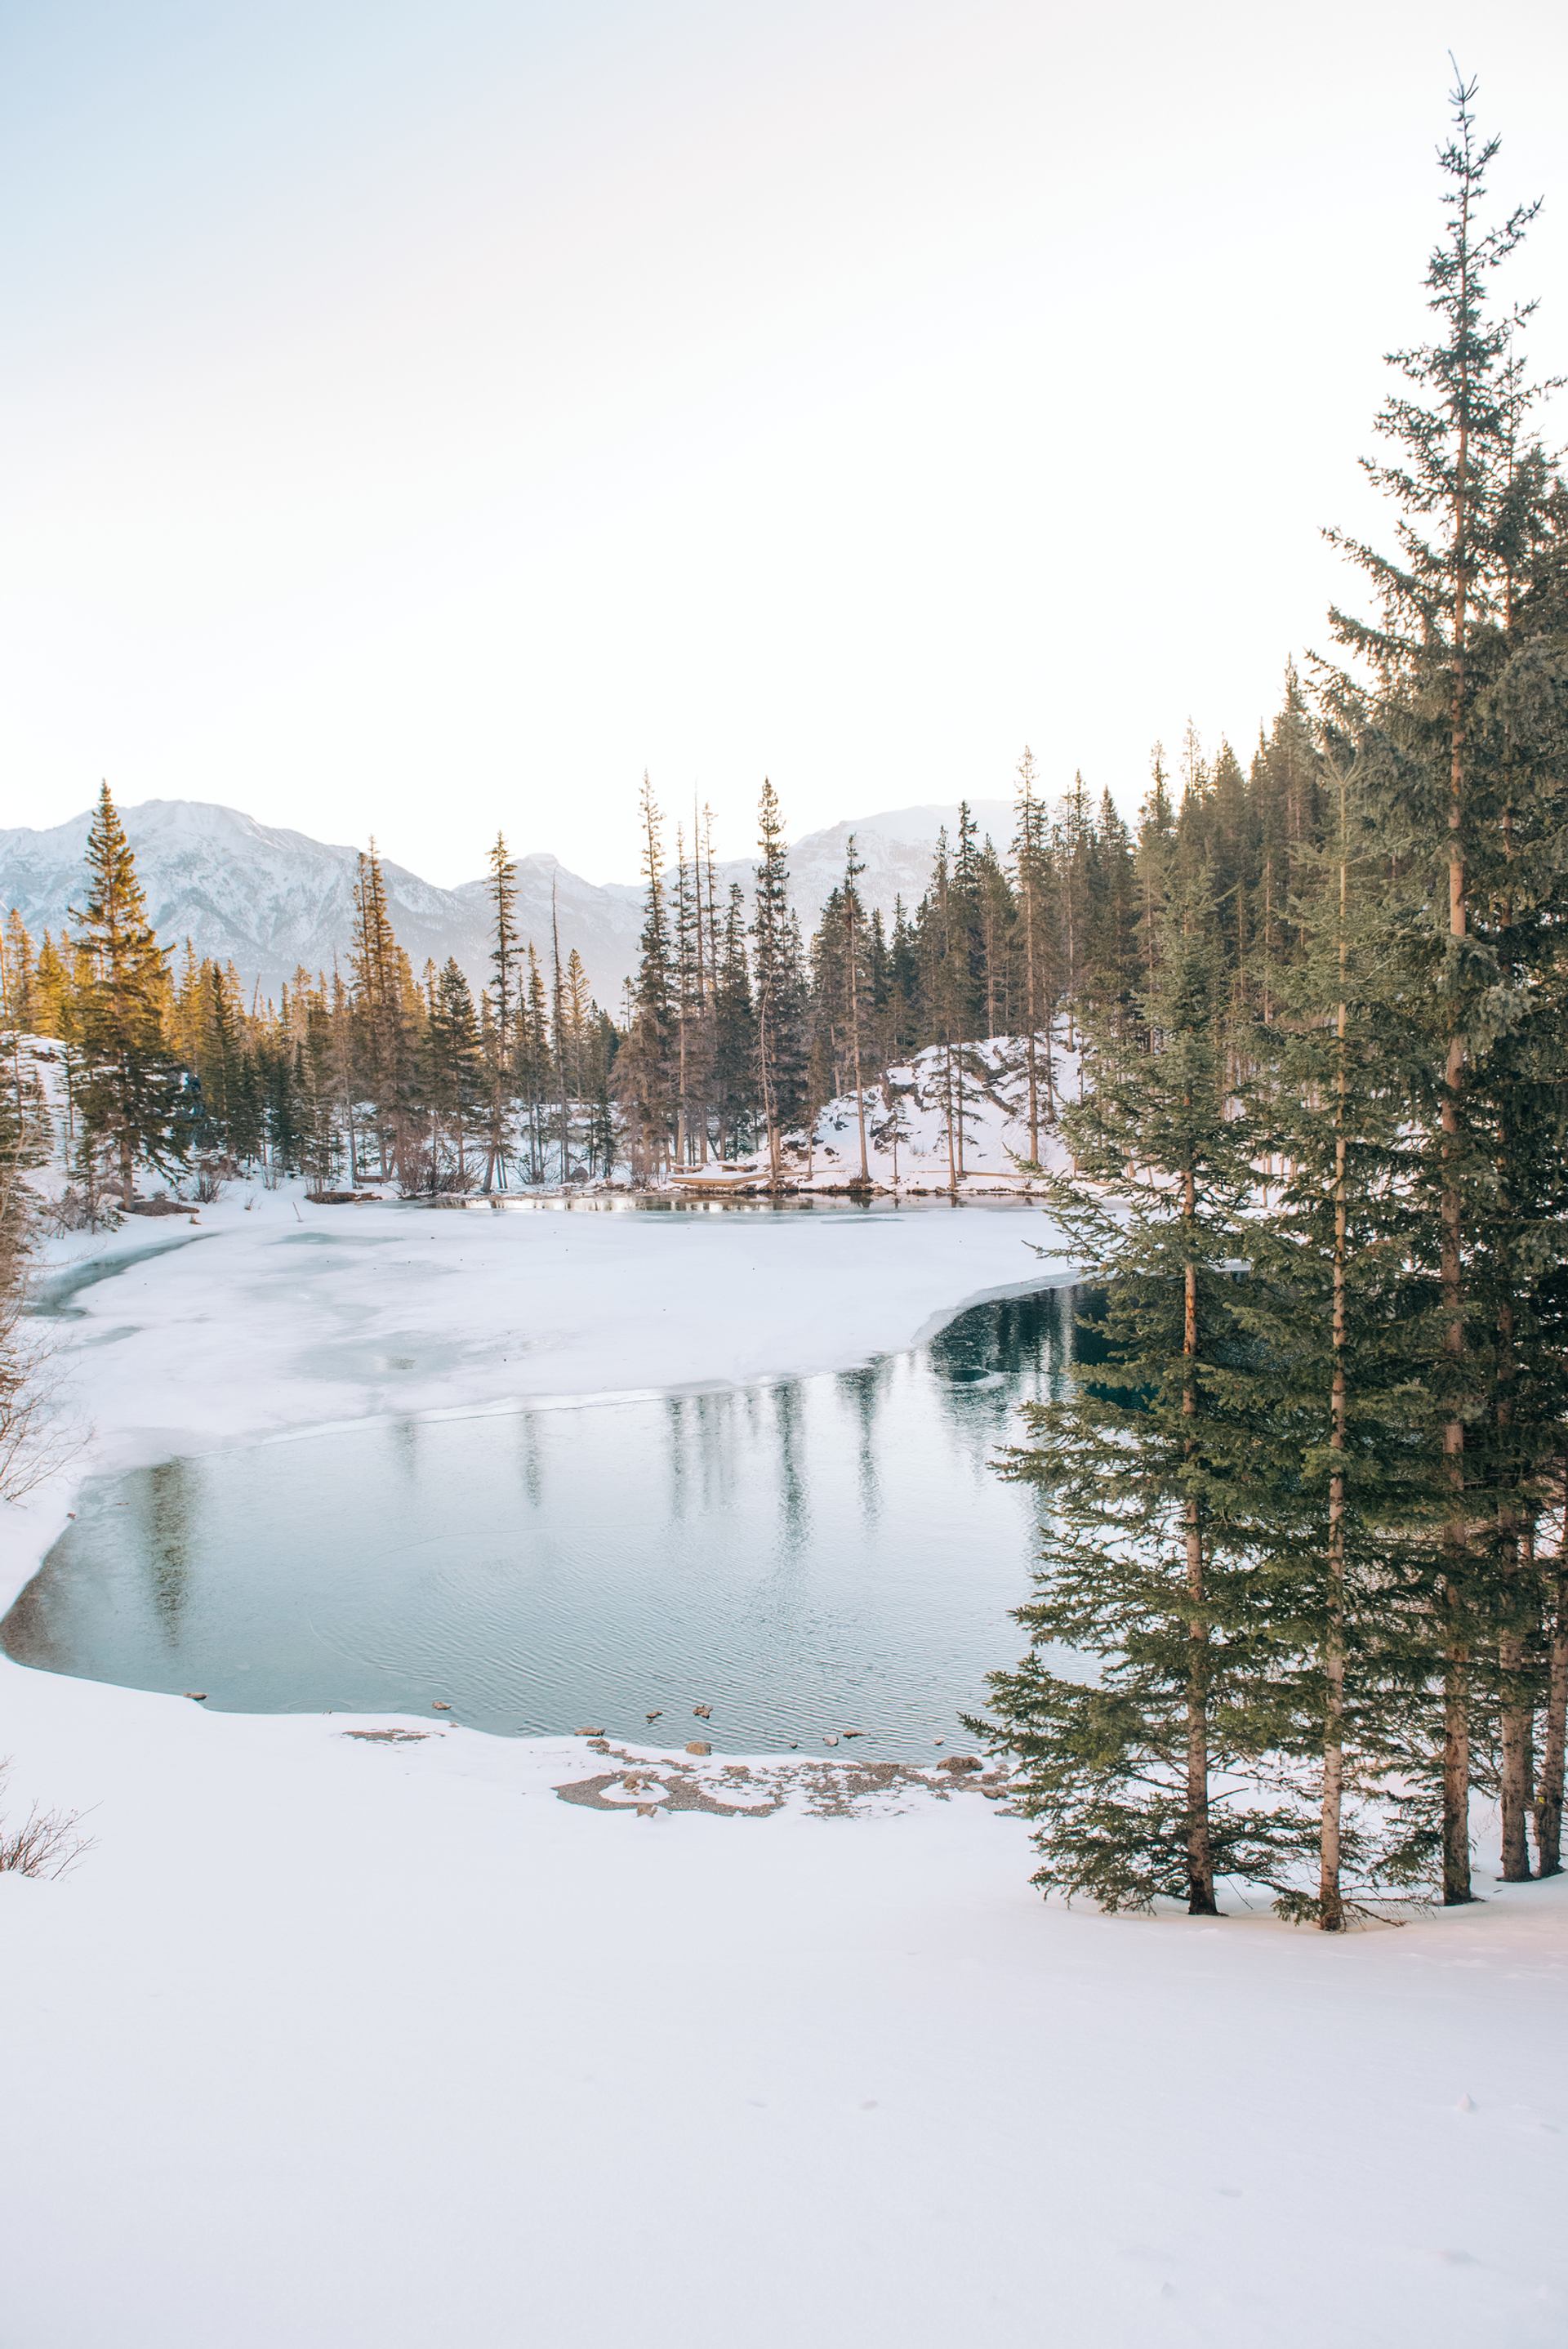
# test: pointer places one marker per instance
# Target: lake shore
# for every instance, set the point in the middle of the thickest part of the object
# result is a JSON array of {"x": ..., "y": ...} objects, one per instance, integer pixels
[{"x": 338, "y": 2040}]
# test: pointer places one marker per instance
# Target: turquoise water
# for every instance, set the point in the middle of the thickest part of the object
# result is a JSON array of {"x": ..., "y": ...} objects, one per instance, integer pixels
[{"x": 805, "y": 1555}]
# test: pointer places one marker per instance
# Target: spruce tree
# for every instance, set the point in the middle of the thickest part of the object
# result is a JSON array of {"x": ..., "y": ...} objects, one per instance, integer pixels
[
  {"x": 646, "y": 1068},
  {"x": 779, "y": 998},
  {"x": 1454, "y": 481},
  {"x": 454, "y": 1075},
  {"x": 735, "y": 1033},
  {"x": 1034, "y": 895},
  {"x": 1340, "y": 1321},
  {"x": 127, "y": 1087},
  {"x": 1147, "y": 1467},
  {"x": 499, "y": 1013}
]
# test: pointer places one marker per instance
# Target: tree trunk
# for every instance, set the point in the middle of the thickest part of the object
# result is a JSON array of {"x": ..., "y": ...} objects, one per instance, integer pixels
[
  {"x": 1549, "y": 1792},
  {"x": 855, "y": 1039},
  {"x": 1201, "y": 1901},
  {"x": 1031, "y": 1014},
  {"x": 1518, "y": 1723},
  {"x": 1456, "y": 1759},
  {"x": 1456, "y": 1677},
  {"x": 947, "y": 1102},
  {"x": 1330, "y": 1894}
]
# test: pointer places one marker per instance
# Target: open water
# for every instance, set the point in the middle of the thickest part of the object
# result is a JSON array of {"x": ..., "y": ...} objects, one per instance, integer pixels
[{"x": 805, "y": 1555}]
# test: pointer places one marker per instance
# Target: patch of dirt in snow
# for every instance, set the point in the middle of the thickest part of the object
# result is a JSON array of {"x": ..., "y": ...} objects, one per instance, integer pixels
[
  {"x": 391, "y": 1736},
  {"x": 741, "y": 1790}
]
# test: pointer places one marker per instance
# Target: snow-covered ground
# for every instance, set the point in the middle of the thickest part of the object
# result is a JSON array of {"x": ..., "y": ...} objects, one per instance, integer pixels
[
  {"x": 331, "y": 2043},
  {"x": 980, "y": 1094}
]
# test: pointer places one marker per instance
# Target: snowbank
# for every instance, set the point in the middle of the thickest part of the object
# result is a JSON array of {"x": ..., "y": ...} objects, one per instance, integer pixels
[
  {"x": 263, "y": 1313},
  {"x": 333, "y": 2043},
  {"x": 983, "y": 1093}
]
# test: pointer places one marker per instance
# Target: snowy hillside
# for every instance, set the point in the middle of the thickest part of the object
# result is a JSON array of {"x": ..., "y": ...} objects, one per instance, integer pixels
[
  {"x": 270, "y": 899},
  {"x": 908, "y": 1121}
]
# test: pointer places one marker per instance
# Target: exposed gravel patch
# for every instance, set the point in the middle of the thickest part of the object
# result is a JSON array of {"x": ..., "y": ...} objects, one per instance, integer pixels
[{"x": 755, "y": 1790}]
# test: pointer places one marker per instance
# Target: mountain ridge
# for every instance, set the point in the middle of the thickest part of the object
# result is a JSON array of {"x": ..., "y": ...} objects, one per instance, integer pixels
[{"x": 272, "y": 899}]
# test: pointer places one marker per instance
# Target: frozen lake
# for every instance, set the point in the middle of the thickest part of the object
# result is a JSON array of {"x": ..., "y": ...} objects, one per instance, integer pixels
[{"x": 806, "y": 1556}]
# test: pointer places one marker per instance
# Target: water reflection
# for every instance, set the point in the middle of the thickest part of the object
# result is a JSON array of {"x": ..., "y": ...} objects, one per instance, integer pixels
[
  {"x": 805, "y": 1555},
  {"x": 163, "y": 1501}
]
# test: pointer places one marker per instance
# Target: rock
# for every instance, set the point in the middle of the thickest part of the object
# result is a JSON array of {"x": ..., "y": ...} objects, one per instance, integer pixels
[
  {"x": 703, "y": 1712},
  {"x": 700, "y": 1746},
  {"x": 829, "y": 1740},
  {"x": 855, "y": 1732},
  {"x": 587, "y": 1733},
  {"x": 197, "y": 1696},
  {"x": 961, "y": 1764},
  {"x": 598, "y": 1745},
  {"x": 655, "y": 1716},
  {"x": 438, "y": 1704}
]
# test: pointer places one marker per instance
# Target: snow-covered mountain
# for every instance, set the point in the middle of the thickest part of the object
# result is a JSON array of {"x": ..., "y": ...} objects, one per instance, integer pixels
[
  {"x": 272, "y": 900},
  {"x": 895, "y": 847}
]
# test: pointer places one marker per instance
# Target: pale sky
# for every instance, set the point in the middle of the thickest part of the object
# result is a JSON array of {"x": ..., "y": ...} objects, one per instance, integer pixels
[{"x": 422, "y": 417}]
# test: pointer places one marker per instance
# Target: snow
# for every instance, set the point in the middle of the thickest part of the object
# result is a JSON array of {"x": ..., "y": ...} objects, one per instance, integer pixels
[
  {"x": 272, "y": 898},
  {"x": 277, "y": 1314},
  {"x": 915, "y": 1162},
  {"x": 330, "y": 2043}
]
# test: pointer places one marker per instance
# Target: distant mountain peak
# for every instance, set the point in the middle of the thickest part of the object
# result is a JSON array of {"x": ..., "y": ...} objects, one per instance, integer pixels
[{"x": 272, "y": 900}]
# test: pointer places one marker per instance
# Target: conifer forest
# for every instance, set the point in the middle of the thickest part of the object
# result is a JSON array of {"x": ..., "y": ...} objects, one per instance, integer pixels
[
  {"x": 1300, "y": 1030},
  {"x": 1045, "y": 1383}
]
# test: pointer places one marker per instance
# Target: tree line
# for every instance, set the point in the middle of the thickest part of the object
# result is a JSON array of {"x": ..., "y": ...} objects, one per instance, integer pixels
[
  {"x": 1304, "y": 1500},
  {"x": 1300, "y": 1030},
  {"x": 736, "y": 1029},
  {"x": 365, "y": 1075}
]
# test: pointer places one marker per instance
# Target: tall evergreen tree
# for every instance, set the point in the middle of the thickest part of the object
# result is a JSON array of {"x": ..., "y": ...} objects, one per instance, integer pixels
[
  {"x": 499, "y": 1012},
  {"x": 1148, "y": 1465},
  {"x": 779, "y": 987},
  {"x": 126, "y": 1088},
  {"x": 647, "y": 1068},
  {"x": 1034, "y": 895},
  {"x": 1453, "y": 478}
]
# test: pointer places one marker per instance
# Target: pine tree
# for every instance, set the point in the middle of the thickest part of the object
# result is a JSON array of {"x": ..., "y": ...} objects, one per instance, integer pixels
[
  {"x": 127, "y": 1088},
  {"x": 499, "y": 1013},
  {"x": 1343, "y": 1320},
  {"x": 19, "y": 966},
  {"x": 454, "y": 1072},
  {"x": 779, "y": 985},
  {"x": 647, "y": 1068},
  {"x": 858, "y": 974},
  {"x": 386, "y": 1008},
  {"x": 735, "y": 1033},
  {"x": 1454, "y": 481},
  {"x": 1135, "y": 1782},
  {"x": 1034, "y": 893}
]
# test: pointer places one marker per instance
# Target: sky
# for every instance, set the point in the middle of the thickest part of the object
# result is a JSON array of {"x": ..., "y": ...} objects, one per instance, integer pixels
[{"x": 418, "y": 420}]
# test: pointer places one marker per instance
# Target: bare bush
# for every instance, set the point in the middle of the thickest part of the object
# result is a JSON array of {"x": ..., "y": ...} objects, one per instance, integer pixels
[
  {"x": 77, "y": 1210},
  {"x": 46, "y": 1843},
  {"x": 30, "y": 1444}
]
